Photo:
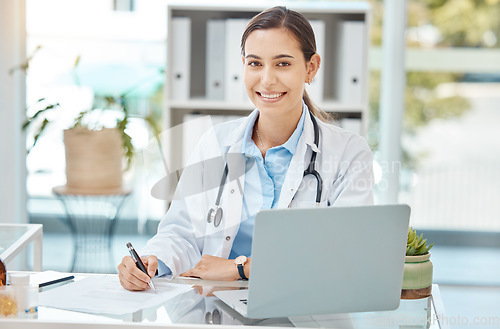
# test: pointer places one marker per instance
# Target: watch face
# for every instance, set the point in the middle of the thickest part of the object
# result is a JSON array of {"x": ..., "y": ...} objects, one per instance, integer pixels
[{"x": 240, "y": 260}]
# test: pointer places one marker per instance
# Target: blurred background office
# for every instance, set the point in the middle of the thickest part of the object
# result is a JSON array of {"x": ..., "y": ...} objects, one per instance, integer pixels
[{"x": 450, "y": 149}]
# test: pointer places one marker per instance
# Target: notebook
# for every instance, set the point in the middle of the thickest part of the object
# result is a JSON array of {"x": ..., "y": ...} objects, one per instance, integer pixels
[{"x": 324, "y": 261}]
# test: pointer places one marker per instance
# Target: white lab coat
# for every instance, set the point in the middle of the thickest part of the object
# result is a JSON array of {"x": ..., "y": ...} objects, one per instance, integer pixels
[{"x": 343, "y": 160}]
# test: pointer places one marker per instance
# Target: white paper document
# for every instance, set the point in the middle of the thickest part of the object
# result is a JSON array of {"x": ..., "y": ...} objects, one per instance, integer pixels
[{"x": 104, "y": 295}]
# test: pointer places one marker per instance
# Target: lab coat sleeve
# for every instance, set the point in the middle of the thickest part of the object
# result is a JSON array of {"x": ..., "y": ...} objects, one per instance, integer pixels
[
  {"x": 175, "y": 242},
  {"x": 179, "y": 240},
  {"x": 354, "y": 183}
]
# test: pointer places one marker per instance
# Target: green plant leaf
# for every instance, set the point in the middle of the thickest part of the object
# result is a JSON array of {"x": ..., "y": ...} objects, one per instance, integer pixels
[
  {"x": 129, "y": 149},
  {"x": 416, "y": 244},
  {"x": 153, "y": 124},
  {"x": 30, "y": 120},
  {"x": 39, "y": 133},
  {"x": 421, "y": 241}
]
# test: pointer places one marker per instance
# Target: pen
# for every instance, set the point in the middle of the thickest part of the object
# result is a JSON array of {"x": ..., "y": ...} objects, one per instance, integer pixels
[
  {"x": 139, "y": 263},
  {"x": 48, "y": 283}
]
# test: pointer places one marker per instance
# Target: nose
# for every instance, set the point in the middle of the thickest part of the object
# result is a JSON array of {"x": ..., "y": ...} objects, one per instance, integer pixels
[{"x": 268, "y": 77}]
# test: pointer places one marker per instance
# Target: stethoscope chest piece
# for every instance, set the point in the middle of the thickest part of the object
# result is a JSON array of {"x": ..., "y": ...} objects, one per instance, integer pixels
[{"x": 215, "y": 215}]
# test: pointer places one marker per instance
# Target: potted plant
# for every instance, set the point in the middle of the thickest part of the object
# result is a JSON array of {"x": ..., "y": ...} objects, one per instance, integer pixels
[
  {"x": 94, "y": 153},
  {"x": 417, "y": 278}
]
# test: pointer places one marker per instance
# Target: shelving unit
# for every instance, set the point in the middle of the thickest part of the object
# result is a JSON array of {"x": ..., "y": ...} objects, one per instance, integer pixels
[{"x": 337, "y": 46}]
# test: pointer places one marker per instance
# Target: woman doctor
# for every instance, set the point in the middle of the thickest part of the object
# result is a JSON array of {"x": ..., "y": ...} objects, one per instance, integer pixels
[{"x": 265, "y": 162}]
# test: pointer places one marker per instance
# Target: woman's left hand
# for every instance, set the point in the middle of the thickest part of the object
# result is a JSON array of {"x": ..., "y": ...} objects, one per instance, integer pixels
[{"x": 214, "y": 268}]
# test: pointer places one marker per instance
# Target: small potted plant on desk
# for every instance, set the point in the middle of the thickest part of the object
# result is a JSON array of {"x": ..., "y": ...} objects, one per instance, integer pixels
[{"x": 417, "y": 278}]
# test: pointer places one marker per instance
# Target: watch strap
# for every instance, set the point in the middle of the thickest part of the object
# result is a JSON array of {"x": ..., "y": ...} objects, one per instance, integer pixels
[{"x": 242, "y": 272}]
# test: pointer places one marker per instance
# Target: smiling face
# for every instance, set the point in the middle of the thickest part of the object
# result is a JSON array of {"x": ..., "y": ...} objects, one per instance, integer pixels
[{"x": 275, "y": 72}]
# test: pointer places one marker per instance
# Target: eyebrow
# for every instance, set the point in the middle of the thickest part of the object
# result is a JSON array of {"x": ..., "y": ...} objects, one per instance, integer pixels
[{"x": 275, "y": 57}]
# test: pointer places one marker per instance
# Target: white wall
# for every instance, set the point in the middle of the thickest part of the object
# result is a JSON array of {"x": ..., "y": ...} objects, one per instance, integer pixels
[{"x": 12, "y": 104}]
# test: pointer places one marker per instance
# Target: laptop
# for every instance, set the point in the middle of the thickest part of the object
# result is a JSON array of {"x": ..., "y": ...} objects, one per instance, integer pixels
[{"x": 324, "y": 261}]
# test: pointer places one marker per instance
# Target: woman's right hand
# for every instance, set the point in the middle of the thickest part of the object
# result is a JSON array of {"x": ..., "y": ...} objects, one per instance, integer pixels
[{"x": 131, "y": 277}]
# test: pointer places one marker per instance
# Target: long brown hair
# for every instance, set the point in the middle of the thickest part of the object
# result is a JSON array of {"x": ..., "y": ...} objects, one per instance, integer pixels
[{"x": 281, "y": 17}]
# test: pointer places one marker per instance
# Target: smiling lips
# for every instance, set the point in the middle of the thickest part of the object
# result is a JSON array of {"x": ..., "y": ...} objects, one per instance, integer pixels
[{"x": 270, "y": 95}]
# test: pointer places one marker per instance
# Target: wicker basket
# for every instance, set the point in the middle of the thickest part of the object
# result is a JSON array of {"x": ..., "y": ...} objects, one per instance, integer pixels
[{"x": 94, "y": 160}]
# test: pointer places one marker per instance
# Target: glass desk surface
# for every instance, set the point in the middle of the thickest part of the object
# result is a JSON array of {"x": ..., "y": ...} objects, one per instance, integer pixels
[{"x": 191, "y": 308}]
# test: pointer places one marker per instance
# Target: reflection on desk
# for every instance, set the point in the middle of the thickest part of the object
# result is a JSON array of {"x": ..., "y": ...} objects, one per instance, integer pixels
[{"x": 191, "y": 308}]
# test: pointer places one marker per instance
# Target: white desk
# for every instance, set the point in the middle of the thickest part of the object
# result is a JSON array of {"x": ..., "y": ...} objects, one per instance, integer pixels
[
  {"x": 15, "y": 238},
  {"x": 191, "y": 310}
]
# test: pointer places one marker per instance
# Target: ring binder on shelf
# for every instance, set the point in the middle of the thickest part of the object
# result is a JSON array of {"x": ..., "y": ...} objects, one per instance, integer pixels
[
  {"x": 215, "y": 62},
  {"x": 235, "y": 88},
  {"x": 181, "y": 58},
  {"x": 315, "y": 90},
  {"x": 351, "y": 70}
]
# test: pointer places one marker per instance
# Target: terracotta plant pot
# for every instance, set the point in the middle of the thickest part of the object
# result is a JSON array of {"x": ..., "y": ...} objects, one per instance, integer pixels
[
  {"x": 94, "y": 160},
  {"x": 417, "y": 278}
]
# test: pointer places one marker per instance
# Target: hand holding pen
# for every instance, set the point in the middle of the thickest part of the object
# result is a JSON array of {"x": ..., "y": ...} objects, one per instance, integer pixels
[{"x": 139, "y": 264}]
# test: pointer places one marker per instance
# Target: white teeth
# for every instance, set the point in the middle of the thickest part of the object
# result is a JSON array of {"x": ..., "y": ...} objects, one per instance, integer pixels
[{"x": 271, "y": 96}]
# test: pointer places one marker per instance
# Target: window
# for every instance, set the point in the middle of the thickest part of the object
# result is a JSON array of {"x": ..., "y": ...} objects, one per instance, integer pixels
[
  {"x": 116, "y": 53},
  {"x": 452, "y": 112}
]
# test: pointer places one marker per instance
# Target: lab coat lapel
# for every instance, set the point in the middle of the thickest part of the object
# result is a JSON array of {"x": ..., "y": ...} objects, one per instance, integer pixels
[
  {"x": 298, "y": 164},
  {"x": 235, "y": 184},
  {"x": 234, "y": 195}
]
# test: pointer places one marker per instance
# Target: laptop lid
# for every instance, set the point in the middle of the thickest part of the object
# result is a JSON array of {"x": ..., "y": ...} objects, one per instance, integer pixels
[{"x": 327, "y": 260}]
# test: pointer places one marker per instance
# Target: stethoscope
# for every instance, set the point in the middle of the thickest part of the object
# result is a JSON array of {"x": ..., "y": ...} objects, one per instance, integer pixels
[{"x": 215, "y": 214}]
